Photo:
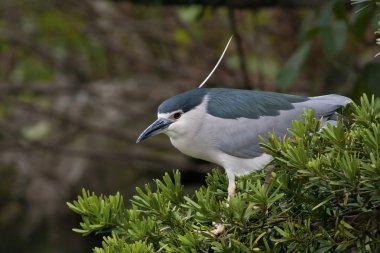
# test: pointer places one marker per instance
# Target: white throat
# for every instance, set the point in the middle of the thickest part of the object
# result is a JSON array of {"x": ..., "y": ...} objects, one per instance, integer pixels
[{"x": 185, "y": 133}]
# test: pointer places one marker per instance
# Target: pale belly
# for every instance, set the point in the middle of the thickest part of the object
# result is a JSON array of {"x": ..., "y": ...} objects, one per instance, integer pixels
[
  {"x": 233, "y": 165},
  {"x": 195, "y": 148},
  {"x": 239, "y": 166}
]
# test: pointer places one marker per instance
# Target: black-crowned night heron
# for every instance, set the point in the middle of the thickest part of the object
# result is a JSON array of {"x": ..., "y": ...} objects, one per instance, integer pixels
[{"x": 223, "y": 126}]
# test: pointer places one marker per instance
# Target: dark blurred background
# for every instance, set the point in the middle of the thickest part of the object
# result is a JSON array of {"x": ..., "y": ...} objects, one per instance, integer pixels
[{"x": 79, "y": 80}]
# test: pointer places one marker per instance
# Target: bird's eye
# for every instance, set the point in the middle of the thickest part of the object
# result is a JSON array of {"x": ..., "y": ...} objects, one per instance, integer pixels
[{"x": 177, "y": 115}]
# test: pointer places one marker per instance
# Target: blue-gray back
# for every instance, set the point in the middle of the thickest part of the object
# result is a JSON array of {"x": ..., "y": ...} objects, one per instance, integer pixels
[
  {"x": 235, "y": 103},
  {"x": 232, "y": 103}
]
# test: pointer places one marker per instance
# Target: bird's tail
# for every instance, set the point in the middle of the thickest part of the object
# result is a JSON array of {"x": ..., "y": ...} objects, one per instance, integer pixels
[
  {"x": 333, "y": 99},
  {"x": 327, "y": 105}
]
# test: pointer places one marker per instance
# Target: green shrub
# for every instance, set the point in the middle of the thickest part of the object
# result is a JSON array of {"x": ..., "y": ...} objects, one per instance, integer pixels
[{"x": 323, "y": 196}]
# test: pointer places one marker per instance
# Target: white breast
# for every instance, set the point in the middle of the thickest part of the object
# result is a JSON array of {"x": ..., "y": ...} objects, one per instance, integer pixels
[{"x": 190, "y": 136}]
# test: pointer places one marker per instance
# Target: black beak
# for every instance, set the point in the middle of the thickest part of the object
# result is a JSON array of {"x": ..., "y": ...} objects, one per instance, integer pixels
[{"x": 155, "y": 128}]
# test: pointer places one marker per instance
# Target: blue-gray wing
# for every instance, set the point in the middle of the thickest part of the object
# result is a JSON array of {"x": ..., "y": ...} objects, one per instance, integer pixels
[
  {"x": 235, "y": 103},
  {"x": 239, "y": 136}
]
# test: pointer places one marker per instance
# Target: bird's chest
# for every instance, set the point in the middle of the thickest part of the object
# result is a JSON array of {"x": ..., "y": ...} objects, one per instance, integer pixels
[{"x": 194, "y": 146}]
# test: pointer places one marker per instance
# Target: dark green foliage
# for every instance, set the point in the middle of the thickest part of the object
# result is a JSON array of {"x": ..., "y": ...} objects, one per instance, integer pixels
[
  {"x": 323, "y": 196},
  {"x": 332, "y": 28},
  {"x": 367, "y": 6}
]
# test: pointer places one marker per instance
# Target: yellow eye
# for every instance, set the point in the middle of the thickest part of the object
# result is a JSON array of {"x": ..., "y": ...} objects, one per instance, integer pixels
[{"x": 177, "y": 115}]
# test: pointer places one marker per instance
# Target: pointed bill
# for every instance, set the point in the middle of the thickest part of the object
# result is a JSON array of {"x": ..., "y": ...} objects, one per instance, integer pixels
[{"x": 155, "y": 128}]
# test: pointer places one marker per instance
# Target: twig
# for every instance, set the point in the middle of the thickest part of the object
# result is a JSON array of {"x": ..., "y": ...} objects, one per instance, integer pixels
[
  {"x": 240, "y": 50},
  {"x": 235, "y": 4}
]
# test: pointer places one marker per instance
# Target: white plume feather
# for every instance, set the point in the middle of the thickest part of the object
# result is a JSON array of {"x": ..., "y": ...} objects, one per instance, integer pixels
[{"x": 221, "y": 57}]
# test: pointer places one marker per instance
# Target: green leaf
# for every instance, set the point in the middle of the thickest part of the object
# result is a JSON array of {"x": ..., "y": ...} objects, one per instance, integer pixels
[
  {"x": 361, "y": 21},
  {"x": 369, "y": 79},
  {"x": 289, "y": 72},
  {"x": 322, "y": 203},
  {"x": 333, "y": 38},
  {"x": 37, "y": 131}
]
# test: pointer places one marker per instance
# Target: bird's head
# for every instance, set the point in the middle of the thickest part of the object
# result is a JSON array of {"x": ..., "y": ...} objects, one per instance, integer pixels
[{"x": 177, "y": 115}]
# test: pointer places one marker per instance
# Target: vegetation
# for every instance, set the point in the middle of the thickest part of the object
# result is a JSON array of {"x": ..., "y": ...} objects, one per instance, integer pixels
[
  {"x": 370, "y": 4},
  {"x": 79, "y": 80},
  {"x": 323, "y": 196}
]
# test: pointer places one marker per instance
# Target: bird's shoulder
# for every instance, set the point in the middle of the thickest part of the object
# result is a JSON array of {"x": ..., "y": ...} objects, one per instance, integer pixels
[{"x": 236, "y": 103}]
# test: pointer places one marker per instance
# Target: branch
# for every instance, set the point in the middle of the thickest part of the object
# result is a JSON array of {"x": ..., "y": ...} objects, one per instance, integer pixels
[
  {"x": 36, "y": 88},
  {"x": 235, "y": 4},
  {"x": 240, "y": 50},
  {"x": 17, "y": 142}
]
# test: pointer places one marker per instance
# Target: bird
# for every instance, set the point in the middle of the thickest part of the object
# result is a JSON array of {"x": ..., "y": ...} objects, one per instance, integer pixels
[{"x": 224, "y": 125}]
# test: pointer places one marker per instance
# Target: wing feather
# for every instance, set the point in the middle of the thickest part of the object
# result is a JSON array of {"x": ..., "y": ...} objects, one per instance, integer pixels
[{"x": 263, "y": 112}]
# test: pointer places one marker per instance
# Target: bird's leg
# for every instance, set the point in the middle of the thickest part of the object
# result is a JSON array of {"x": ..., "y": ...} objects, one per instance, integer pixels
[
  {"x": 231, "y": 186},
  {"x": 219, "y": 228},
  {"x": 268, "y": 176}
]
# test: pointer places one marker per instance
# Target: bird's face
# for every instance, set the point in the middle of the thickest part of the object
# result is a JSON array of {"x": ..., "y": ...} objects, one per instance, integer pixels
[
  {"x": 178, "y": 116},
  {"x": 168, "y": 123}
]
